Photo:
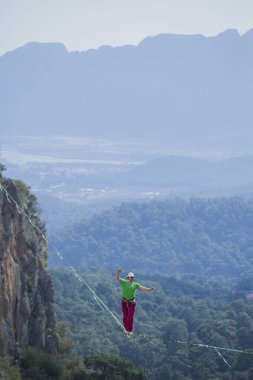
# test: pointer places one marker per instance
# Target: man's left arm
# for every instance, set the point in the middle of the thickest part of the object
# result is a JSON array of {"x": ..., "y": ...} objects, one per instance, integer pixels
[{"x": 144, "y": 289}]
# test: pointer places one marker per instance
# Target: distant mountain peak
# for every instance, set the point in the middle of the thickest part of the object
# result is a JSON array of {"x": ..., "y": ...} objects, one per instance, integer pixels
[
  {"x": 31, "y": 48},
  {"x": 229, "y": 33},
  {"x": 165, "y": 37}
]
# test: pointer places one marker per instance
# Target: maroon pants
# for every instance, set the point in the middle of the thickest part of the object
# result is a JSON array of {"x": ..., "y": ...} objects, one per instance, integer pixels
[{"x": 128, "y": 309}]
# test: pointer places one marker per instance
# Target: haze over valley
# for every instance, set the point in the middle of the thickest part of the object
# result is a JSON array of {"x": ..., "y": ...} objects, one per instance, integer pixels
[{"x": 77, "y": 177}]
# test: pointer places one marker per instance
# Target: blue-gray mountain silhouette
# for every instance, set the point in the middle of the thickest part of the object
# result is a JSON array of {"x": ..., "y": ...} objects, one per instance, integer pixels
[{"x": 183, "y": 89}]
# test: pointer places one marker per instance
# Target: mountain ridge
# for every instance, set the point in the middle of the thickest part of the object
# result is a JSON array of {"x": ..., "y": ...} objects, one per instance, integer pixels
[
  {"x": 60, "y": 45},
  {"x": 179, "y": 89}
]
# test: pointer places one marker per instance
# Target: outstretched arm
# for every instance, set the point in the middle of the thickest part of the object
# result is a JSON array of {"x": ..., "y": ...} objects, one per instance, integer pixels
[
  {"x": 118, "y": 274},
  {"x": 144, "y": 289}
]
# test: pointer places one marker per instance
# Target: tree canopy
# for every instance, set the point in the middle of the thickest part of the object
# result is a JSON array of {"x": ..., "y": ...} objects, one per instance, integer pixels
[
  {"x": 199, "y": 236},
  {"x": 190, "y": 309}
]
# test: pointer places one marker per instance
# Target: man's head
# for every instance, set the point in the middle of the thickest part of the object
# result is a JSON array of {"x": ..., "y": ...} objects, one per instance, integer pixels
[{"x": 130, "y": 276}]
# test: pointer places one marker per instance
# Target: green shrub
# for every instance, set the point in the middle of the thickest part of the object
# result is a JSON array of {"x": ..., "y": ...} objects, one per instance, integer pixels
[
  {"x": 8, "y": 369},
  {"x": 36, "y": 365}
]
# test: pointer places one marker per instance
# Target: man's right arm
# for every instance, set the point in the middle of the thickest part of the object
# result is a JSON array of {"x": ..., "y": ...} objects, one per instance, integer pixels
[{"x": 118, "y": 274}]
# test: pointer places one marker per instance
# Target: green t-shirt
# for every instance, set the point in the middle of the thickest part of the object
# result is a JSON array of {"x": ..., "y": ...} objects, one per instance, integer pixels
[{"x": 128, "y": 290}]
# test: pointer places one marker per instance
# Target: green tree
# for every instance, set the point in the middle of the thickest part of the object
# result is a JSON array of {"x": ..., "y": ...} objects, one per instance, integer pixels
[
  {"x": 112, "y": 368},
  {"x": 8, "y": 370},
  {"x": 37, "y": 365},
  {"x": 2, "y": 168},
  {"x": 66, "y": 345}
]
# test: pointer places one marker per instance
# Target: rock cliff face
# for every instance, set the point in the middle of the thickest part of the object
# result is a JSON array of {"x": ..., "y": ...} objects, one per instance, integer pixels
[{"x": 27, "y": 316}]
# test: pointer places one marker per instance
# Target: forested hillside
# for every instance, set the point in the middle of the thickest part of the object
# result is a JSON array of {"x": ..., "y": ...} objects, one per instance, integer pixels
[
  {"x": 213, "y": 237},
  {"x": 191, "y": 309},
  {"x": 197, "y": 253},
  {"x": 197, "y": 324}
]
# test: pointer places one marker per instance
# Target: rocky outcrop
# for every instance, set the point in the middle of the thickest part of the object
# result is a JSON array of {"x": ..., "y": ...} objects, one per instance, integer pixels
[{"x": 27, "y": 316}]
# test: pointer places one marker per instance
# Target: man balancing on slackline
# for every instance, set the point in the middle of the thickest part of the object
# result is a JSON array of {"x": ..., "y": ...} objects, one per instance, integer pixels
[{"x": 128, "y": 303}]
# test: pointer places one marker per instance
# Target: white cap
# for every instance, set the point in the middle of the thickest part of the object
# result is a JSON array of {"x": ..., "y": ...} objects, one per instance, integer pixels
[{"x": 130, "y": 274}]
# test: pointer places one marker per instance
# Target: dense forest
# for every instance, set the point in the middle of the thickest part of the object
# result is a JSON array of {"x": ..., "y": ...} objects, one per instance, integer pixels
[
  {"x": 189, "y": 309},
  {"x": 196, "y": 253},
  {"x": 211, "y": 237}
]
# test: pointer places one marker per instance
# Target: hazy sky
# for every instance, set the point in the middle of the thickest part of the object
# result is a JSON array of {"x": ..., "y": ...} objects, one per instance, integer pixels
[{"x": 85, "y": 24}]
